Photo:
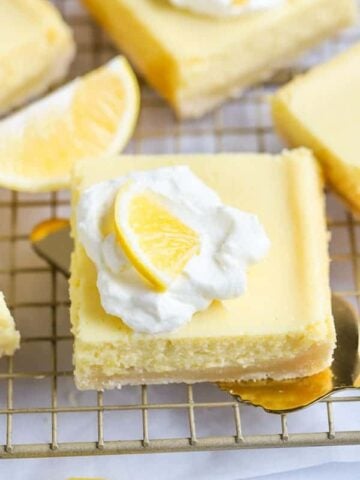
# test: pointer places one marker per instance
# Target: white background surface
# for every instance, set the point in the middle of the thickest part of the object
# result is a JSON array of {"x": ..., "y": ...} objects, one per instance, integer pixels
[
  {"x": 245, "y": 125},
  {"x": 199, "y": 466}
]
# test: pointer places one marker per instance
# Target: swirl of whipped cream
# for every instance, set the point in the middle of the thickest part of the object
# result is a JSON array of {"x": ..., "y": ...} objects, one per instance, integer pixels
[
  {"x": 230, "y": 241},
  {"x": 226, "y": 7}
]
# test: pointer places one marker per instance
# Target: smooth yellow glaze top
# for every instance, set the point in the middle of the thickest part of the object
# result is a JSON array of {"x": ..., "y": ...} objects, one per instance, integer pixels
[
  {"x": 288, "y": 292},
  {"x": 36, "y": 47},
  {"x": 17, "y": 26},
  {"x": 191, "y": 36},
  {"x": 195, "y": 61},
  {"x": 326, "y": 102},
  {"x": 24, "y": 21}
]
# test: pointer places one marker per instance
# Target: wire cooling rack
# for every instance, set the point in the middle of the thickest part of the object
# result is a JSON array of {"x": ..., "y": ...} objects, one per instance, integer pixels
[{"x": 42, "y": 413}]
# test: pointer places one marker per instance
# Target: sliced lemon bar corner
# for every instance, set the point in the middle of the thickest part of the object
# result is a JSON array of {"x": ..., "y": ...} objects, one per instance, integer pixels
[
  {"x": 321, "y": 110},
  {"x": 9, "y": 337}
]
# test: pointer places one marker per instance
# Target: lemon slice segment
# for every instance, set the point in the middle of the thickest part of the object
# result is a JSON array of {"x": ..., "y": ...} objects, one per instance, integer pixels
[
  {"x": 90, "y": 117},
  {"x": 158, "y": 244}
]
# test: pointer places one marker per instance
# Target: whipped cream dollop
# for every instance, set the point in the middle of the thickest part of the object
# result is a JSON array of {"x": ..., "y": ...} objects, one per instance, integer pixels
[
  {"x": 226, "y": 7},
  {"x": 230, "y": 241}
]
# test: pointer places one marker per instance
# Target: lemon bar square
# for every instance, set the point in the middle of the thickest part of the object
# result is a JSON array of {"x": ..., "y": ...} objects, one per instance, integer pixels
[
  {"x": 9, "y": 337},
  {"x": 282, "y": 327},
  {"x": 196, "y": 62},
  {"x": 36, "y": 49},
  {"x": 321, "y": 110}
]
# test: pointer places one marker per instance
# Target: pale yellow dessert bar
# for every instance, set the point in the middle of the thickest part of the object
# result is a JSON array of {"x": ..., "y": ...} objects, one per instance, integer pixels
[
  {"x": 9, "y": 337},
  {"x": 196, "y": 62},
  {"x": 36, "y": 49},
  {"x": 321, "y": 110},
  {"x": 282, "y": 327}
]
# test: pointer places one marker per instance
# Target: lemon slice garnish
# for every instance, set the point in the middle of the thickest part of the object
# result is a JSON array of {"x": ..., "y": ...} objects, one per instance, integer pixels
[
  {"x": 157, "y": 243},
  {"x": 92, "y": 116}
]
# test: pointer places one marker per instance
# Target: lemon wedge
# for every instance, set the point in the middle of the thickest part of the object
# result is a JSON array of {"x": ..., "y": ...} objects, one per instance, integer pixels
[
  {"x": 157, "y": 243},
  {"x": 89, "y": 117}
]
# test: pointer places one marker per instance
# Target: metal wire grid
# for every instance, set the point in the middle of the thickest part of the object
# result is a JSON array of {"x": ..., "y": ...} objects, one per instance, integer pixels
[{"x": 36, "y": 386}]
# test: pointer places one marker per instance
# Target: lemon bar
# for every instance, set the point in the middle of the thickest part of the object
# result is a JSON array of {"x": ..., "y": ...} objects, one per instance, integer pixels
[
  {"x": 321, "y": 110},
  {"x": 196, "y": 62},
  {"x": 36, "y": 49},
  {"x": 282, "y": 327},
  {"x": 9, "y": 337}
]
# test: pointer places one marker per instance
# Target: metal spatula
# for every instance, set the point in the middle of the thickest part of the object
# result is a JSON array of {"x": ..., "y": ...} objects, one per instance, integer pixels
[
  {"x": 51, "y": 240},
  {"x": 290, "y": 395}
]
